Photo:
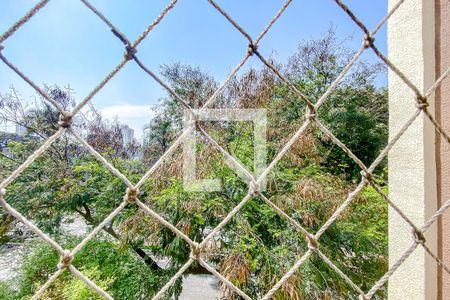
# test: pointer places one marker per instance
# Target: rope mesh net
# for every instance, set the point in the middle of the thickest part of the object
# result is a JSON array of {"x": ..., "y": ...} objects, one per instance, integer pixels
[{"x": 198, "y": 250}]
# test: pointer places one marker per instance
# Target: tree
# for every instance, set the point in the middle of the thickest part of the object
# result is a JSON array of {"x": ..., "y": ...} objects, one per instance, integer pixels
[
  {"x": 258, "y": 246},
  {"x": 54, "y": 186},
  {"x": 309, "y": 184}
]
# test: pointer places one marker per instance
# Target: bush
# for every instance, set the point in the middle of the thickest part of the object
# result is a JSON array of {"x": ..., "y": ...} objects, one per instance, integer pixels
[
  {"x": 118, "y": 271},
  {"x": 5, "y": 291}
]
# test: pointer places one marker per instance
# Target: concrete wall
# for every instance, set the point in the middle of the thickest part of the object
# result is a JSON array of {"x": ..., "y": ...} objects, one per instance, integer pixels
[{"x": 442, "y": 147}]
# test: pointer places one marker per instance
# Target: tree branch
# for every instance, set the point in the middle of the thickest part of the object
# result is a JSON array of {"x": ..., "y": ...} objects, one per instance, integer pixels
[{"x": 141, "y": 253}]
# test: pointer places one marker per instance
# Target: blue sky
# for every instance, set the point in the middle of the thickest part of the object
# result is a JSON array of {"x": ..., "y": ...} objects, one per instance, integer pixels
[{"x": 66, "y": 44}]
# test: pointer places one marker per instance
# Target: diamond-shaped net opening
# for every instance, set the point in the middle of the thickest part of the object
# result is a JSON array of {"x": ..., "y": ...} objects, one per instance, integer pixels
[{"x": 307, "y": 248}]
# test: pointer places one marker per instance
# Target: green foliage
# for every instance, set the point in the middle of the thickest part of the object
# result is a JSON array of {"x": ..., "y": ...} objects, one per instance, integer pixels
[
  {"x": 5, "y": 291},
  {"x": 118, "y": 271},
  {"x": 76, "y": 289},
  {"x": 349, "y": 117},
  {"x": 356, "y": 244},
  {"x": 258, "y": 246}
]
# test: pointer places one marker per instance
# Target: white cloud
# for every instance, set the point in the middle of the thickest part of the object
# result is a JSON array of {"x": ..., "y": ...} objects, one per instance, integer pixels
[{"x": 136, "y": 116}]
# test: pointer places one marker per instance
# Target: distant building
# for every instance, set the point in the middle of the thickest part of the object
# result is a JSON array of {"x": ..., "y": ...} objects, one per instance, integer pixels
[
  {"x": 20, "y": 130},
  {"x": 145, "y": 138},
  {"x": 127, "y": 134}
]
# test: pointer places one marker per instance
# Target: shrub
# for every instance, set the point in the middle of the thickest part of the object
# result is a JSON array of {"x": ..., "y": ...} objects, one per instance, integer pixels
[{"x": 118, "y": 271}]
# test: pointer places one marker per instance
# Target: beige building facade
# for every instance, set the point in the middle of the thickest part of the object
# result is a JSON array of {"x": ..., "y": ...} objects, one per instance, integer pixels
[
  {"x": 419, "y": 164},
  {"x": 442, "y": 12}
]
